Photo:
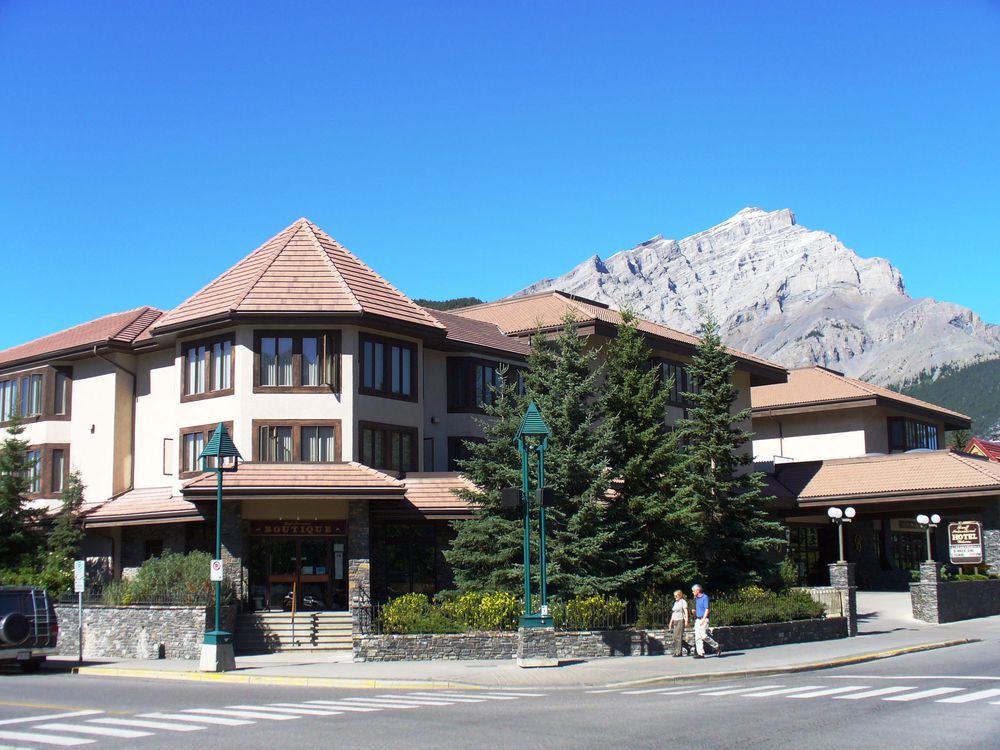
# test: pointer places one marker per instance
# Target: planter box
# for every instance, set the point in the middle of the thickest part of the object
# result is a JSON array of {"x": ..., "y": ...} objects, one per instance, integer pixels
[{"x": 950, "y": 601}]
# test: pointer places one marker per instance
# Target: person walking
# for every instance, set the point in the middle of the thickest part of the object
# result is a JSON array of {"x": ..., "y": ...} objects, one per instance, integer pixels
[
  {"x": 702, "y": 609},
  {"x": 679, "y": 617}
]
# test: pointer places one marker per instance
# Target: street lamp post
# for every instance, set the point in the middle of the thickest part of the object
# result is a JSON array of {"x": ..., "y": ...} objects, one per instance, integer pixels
[
  {"x": 927, "y": 523},
  {"x": 840, "y": 517},
  {"x": 217, "y": 648},
  {"x": 533, "y": 426}
]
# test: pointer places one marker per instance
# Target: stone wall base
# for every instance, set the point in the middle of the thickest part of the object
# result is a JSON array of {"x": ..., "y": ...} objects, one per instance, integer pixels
[{"x": 950, "y": 601}]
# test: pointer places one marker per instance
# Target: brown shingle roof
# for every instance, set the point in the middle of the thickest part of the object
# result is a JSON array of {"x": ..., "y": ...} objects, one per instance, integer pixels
[
  {"x": 299, "y": 270},
  {"x": 120, "y": 328},
  {"x": 462, "y": 330},
  {"x": 877, "y": 477},
  {"x": 811, "y": 386},
  {"x": 349, "y": 478},
  {"x": 437, "y": 493},
  {"x": 522, "y": 316},
  {"x": 149, "y": 505}
]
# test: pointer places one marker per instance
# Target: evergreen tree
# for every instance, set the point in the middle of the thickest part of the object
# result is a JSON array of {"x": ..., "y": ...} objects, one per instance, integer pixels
[
  {"x": 642, "y": 453},
  {"x": 18, "y": 521},
  {"x": 67, "y": 531},
  {"x": 738, "y": 537}
]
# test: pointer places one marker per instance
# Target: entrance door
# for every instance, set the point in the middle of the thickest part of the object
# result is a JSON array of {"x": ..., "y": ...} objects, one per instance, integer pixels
[{"x": 311, "y": 567}]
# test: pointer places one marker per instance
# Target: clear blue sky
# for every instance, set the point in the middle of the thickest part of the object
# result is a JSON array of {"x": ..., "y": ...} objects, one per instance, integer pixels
[{"x": 471, "y": 148}]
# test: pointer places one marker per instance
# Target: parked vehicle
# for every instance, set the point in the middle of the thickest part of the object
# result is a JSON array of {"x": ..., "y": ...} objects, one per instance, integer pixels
[{"x": 28, "y": 627}]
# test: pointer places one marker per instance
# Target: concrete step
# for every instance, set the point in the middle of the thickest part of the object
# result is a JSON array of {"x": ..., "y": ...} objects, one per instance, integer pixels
[{"x": 274, "y": 631}]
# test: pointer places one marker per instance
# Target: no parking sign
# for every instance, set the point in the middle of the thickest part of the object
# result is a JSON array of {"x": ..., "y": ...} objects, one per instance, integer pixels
[{"x": 216, "y": 571}]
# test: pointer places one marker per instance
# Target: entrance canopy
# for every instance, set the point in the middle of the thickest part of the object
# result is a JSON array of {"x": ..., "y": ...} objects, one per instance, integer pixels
[{"x": 348, "y": 480}]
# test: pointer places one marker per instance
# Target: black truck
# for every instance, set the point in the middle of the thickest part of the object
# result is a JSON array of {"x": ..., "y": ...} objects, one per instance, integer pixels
[{"x": 28, "y": 627}]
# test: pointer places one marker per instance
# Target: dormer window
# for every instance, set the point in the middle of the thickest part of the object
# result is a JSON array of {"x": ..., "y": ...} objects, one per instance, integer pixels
[{"x": 297, "y": 362}]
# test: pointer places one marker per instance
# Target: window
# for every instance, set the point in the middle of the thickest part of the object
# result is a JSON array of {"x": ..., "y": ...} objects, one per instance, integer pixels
[
  {"x": 297, "y": 362},
  {"x": 474, "y": 383},
  {"x": 208, "y": 368},
  {"x": 34, "y": 471},
  {"x": 8, "y": 399},
  {"x": 297, "y": 440},
  {"x": 61, "y": 405},
  {"x": 31, "y": 395},
  {"x": 458, "y": 451},
  {"x": 909, "y": 549},
  {"x": 192, "y": 442},
  {"x": 909, "y": 434},
  {"x": 681, "y": 383},
  {"x": 388, "y": 447},
  {"x": 411, "y": 553},
  {"x": 58, "y": 470},
  {"x": 388, "y": 368}
]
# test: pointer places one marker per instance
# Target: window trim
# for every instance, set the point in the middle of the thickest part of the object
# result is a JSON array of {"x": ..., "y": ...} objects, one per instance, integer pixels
[
  {"x": 332, "y": 336},
  {"x": 208, "y": 343},
  {"x": 385, "y": 428},
  {"x": 206, "y": 430},
  {"x": 297, "y": 425},
  {"x": 45, "y": 491},
  {"x": 388, "y": 343},
  {"x": 469, "y": 364},
  {"x": 48, "y": 396}
]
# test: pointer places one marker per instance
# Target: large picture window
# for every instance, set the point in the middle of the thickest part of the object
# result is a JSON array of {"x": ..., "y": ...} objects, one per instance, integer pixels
[
  {"x": 39, "y": 394},
  {"x": 286, "y": 441},
  {"x": 300, "y": 362},
  {"x": 388, "y": 447},
  {"x": 474, "y": 383},
  {"x": 908, "y": 434},
  {"x": 208, "y": 368},
  {"x": 388, "y": 368}
]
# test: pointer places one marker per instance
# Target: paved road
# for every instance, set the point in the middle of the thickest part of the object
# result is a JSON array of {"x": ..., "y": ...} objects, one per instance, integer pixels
[{"x": 948, "y": 698}]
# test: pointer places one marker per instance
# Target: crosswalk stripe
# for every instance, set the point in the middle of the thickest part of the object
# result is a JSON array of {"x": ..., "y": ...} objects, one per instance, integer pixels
[
  {"x": 873, "y": 693},
  {"x": 924, "y": 694},
  {"x": 238, "y": 714},
  {"x": 607, "y": 690},
  {"x": 664, "y": 691},
  {"x": 517, "y": 695},
  {"x": 394, "y": 703},
  {"x": 737, "y": 691},
  {"x": 218, "y": 720},
  {"x": 446, "y": 694},
  {"x": 49, "y": 717},
  {"x": 969, "y": 697},
  {"x": 418, "y": 697},
  {"x": 780, "y": 691},
  {"x": 129, "y": 734},
  {"x": 146, "y": 724},
  {"x": 830, "y": 691},
  {"x": 14, "y": 747},
  {"x": 341, "y": 706},
  {"x": 314, "y": 711},
  {"x": 45, "y": 739}
]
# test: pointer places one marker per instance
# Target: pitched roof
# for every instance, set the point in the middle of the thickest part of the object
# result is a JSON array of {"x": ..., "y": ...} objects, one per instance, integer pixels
[
  {"x": 149, "y": 505},
  {"x": 479, "y": 334},
  {"x": 341, "y": 479},
  {"x": 522, "y": 316},
  {"x": 897, "y": 476},
  {"x": 299, "y": 270},
  {"x": 436, "y": 494},
  {"x": 986, "y": 448},
  {"x": 118, "y": 328},
  {"x": 814, "y": 386}
]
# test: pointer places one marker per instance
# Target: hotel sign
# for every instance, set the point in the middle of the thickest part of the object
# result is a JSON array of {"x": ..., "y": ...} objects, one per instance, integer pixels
[
  {"x": 965, "y": 543},
  {"x": 297, "y": 528}
]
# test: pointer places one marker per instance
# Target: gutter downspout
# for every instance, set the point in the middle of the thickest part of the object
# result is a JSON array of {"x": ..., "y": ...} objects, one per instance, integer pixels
[{"x": 135, "y": 399}]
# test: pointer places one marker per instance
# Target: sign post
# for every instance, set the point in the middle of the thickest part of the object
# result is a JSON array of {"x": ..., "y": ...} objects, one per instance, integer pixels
[
  {"x": 965, "y": 543},
  {"x": 79, "y": 583}
]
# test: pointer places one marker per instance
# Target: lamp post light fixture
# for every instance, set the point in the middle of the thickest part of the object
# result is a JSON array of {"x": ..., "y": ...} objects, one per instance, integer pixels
[
  {"x": 217, "y": 648},
  {"x": 840, "y": 517},
  {"x": 927, "y": 523}
]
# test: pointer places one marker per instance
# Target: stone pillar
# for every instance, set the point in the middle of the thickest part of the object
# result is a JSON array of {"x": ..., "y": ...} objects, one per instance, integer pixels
[
  {"x": 536, "y": 647},
  {"x": 924, "y": 594},
  {"x": 233, "y": 546},
  {"x": 359, "y": 565},
  {"x": 991, "y": 536},
  {"x": 842, "y": 579}
]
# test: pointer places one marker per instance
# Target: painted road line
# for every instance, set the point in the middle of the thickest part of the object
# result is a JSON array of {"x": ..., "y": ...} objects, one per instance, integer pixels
[
  {"x": 48, "y": 717},
  {"x": 147, "y": 724},
  {"x": 45, "y": 739},
  {"x": 398, "y": 702},
  {"x": 924, "y": 694},
  {"x": 912, "y": 677},
  {"x": 218, "y": 720},
  {"x": 781, "y": 691},
  {"x": 830, "y": 691},
  {"x": 517, "y": 695},
  {"x": 314, "y": 711},
  {"x": 449, "y": 694},
  {"x": 341, "y": 706},
  {"x": 873, "y": 693},
  {"x": 969, "y": 697},
  {"x": 607, "y": 690},
  {"x": 238, "y": 714},
  {"x": 417, "y": 697},
  {"x": 127, "y": 734},
  {"x": 664, "y": 691},
  {"x": 737, "y": 691}
]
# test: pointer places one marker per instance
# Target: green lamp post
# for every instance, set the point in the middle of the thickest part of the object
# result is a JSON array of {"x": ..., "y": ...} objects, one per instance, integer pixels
[
  {"x": 217, "y": 648},
  {"x": 533, "y": 434}
]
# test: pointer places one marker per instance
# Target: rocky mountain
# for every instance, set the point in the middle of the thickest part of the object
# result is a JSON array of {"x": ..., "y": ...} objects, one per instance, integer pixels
[{"x": 791, "y": 294}]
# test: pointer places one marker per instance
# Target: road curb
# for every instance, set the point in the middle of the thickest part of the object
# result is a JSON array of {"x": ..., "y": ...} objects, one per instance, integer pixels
[
  {"x": 273, "y": 680},
  {"x": 809, "y": 667}
]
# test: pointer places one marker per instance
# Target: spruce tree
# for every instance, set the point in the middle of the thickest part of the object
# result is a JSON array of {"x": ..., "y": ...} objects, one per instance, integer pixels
[
  {"x": 642, "y": 454},
  {"x": 18, "y": 520},
  {"x": 65, "y": 538},
  {"x": 738, "y": 537}
]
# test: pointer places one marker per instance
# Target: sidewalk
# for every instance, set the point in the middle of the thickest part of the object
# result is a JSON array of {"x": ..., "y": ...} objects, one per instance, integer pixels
[{"x": 885, "y": 630}]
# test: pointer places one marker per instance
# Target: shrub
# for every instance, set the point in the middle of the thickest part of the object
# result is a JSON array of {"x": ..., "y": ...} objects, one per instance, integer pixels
[
  {"x": 172, "y": 578},
  {"x": 589, "y": 613},
  {"x": 758, "y": 606},
  {"x": 414, "y": 614},
  {"x": 497, "y": 610}
]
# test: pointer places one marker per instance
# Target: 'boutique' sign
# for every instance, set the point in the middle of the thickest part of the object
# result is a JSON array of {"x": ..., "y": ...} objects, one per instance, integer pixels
[{"x": 297, "y": 528}]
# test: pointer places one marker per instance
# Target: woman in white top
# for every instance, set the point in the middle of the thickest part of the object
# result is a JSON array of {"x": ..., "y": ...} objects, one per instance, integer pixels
[{"x": 678, "y": 621}]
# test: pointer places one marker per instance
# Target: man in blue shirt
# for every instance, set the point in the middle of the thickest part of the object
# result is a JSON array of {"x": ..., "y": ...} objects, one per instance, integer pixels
[{"x": 701, "y": 611}]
